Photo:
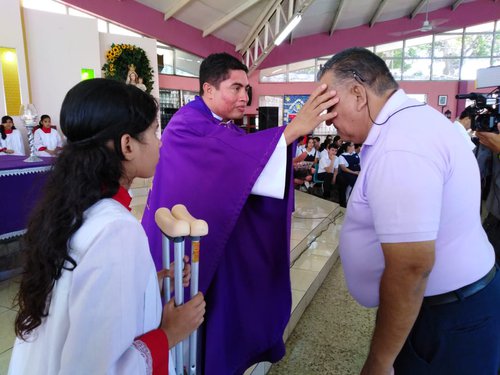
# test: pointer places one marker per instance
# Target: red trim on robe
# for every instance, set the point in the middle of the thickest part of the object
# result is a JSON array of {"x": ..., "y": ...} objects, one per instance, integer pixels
[
  {"x": 9, "y": 131},
  {"x": 122, "y": 196},
  {"x": 43, "y": 148},
  {"x": 157, "y": 343},
  {"x": 46, "y": 130},
  {"x": 3, "y": 149}
]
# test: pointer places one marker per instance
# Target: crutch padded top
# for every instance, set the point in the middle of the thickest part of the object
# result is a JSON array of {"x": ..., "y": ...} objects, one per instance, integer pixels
[
  {"x": 169, "y": 225},
  {"x": 198, "y": 227}
]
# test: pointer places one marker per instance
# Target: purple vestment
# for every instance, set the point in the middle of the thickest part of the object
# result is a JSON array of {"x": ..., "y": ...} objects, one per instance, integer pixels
[{"x": 244, "y": 259}]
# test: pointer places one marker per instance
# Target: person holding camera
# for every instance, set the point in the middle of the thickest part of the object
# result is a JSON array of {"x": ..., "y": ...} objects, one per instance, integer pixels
[{"x": 492, "y": 222}]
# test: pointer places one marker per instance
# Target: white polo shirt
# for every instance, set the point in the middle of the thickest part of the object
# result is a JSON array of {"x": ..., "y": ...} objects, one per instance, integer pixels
[{"x": 419, "y": 181}]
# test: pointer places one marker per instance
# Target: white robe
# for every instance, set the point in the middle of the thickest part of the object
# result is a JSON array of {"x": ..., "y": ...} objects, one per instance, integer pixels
[
  {"x": 98, "y": 309},
  {"x": 50, "y": 140},
  {"x": 13, "y": 141}
]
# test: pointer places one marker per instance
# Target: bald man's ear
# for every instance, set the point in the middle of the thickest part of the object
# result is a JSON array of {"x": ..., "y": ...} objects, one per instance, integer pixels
[{"x": 359, "y": 91}]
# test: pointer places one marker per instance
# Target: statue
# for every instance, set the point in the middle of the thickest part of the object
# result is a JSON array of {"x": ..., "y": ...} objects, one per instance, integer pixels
[{"x": 134, "y": 79}]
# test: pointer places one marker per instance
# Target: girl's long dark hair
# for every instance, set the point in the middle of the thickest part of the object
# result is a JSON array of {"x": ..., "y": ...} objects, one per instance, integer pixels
[{"x": 95, "y": 114}]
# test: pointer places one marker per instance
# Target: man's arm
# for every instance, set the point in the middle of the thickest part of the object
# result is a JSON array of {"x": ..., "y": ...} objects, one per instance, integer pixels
[
  {"x": 490, "y": 140},
  {"x": 407, "y": 267}
]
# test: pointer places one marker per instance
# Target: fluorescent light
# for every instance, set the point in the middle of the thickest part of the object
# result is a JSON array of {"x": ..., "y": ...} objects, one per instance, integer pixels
[{"x": 288, "y": 29}]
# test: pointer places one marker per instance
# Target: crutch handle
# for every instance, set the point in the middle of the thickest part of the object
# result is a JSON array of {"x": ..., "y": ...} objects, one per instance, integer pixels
[
  {"x": 169, "y": 225},
  {"x": 198, "y": 227}
]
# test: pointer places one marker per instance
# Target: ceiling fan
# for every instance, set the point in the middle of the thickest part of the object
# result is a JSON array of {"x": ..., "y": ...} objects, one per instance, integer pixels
[{"x": 427, "y": 25}]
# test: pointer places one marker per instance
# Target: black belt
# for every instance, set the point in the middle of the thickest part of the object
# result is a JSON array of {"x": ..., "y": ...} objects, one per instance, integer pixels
[{"x": 462, "y": 293}]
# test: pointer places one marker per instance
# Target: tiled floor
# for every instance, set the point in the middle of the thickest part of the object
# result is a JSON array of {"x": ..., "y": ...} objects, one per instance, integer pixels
[
  {"x": 8, "y": 289},
  {"x": 314, "y": 242}
]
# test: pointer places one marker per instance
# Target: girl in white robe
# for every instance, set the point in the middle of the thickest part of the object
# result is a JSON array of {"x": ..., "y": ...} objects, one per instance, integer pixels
[
  {"x": 11, "y": 141},
  {"x": 47, "y": 140},
  {"x": 89, "y": 300}
]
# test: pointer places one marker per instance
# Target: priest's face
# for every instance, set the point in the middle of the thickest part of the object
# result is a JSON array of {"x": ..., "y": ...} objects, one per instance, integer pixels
[{"x": 230, "y": 99}]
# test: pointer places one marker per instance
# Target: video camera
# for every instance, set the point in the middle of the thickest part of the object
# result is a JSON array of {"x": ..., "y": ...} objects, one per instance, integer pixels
[{"x": 485, "y": 112}]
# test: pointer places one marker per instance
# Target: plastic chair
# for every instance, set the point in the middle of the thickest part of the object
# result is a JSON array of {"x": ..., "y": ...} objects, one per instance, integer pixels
[{"x": 315, "y": 180}]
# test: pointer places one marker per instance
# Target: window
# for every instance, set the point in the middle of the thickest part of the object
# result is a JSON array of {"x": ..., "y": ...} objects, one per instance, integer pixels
[
  {"x": 477, "y": 45},
  {"x": 165, "y": 60},
  {"x": 77, "y": 13},
  {"x": 417, "y": 69},
  {"x": 45, "y": 5},
  {"x": 418, "y": 47},
  {"x": 448, "y": 45},
  {"x": 470, "y": 67},
  {"x": 115, "y": 29},
  {"x": 420, "y": 97},
  {"x": 451, "y": 55},
  {"x": 303, "y": 71},
  {"x": 445, "y": 69},
  {"x": 187, "y": 64},
  {"x": 276, "y": 74},
  {"x": 496, "y": 45}
]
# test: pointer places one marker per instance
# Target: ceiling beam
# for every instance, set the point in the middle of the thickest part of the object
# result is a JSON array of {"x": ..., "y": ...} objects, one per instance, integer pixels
[
  {"x": 456, "y": 4},
  {"x": 254, "y": 31},
  {"x": 228, "y": 17},
  {"x": 258, "y": 50},
  {"x": 378, "y": 12},
  {"x": 175, "y": 8},
  {"x": 336, "y": 18},
  {"x": 418, "y": 8}
]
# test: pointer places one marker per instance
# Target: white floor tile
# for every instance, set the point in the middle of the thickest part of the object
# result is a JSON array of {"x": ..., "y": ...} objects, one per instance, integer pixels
[
  {"x": 301, "y": 279},
  {"x": 296, "y": 297},
  {"x": 7, "y": 335},
  {"x": 8, "y": 290},
  {"x": 310, "y": 262},
  {"x": 4, "y": 361}
]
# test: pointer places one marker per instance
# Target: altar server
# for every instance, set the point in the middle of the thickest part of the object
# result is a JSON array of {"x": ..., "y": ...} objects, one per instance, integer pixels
[
  {"x": 48, "y": 142},
  {"x": 89, "y": 301},
  {"x": 11, "y": 140}
]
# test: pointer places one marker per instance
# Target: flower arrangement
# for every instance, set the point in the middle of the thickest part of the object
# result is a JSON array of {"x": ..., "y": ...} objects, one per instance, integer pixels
[{"x": 120, "y": 57}]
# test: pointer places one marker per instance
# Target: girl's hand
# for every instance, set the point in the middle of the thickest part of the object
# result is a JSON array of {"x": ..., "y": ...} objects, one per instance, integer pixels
[
  {"x": 186, "y": 274},
  {"x": 179, "y": 322}
]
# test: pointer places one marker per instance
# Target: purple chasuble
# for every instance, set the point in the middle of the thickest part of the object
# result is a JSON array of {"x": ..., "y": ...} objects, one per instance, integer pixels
[{"x": 245, "y": 258}]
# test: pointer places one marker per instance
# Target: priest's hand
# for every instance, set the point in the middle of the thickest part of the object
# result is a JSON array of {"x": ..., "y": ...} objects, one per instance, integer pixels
[
  {"x": 179, "y": 322},
  {"x": 317, "y": 109}
]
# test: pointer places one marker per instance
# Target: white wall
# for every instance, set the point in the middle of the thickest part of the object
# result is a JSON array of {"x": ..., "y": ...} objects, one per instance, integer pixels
[
  {"x": 11, "y": 36},
  {"x": 58, "y": 46},
  {"x": 147, "y": 44}
]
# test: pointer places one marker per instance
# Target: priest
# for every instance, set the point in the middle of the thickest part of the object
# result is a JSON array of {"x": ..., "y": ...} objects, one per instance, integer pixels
[{"x": 241, "y": 184}]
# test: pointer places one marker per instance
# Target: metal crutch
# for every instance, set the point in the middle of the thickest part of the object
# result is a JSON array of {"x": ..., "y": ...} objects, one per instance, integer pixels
[
  {"x": 176, "y": 230},
  {"x": 198, "y": 228}
]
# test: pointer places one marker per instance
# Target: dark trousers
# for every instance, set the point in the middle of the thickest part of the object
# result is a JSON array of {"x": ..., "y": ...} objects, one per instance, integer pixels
[
  {"x": 459, "y": 338},
  {"x": 327, "y": 183},
  {"x": 491, "y": 226},
  {"x": 342, "y": 187}
]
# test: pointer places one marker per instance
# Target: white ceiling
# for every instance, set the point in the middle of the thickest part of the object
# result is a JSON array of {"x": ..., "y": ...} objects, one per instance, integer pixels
[{"x": 317, "y": 18}]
